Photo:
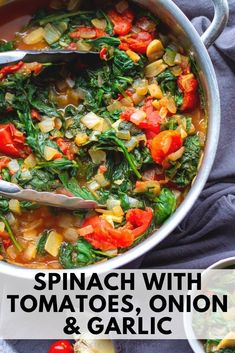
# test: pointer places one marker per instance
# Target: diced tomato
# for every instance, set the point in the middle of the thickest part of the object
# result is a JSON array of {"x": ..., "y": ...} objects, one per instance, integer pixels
[
  {"x": 35, "y": 115},
  {"x": 148, "y": 107},
  {"x": 100, "y": 33},
  {"x": 72, "y": 46},
  {"x": 10, "y": 69},
  {"x": 6, "y": 243},
  {"x": 124, "y": 46},
  {"x": 120, "y": 97},
  {"x": 150, "y": 136},
  {"x": 129, "y": 93},
  {"x": 126, "y": 115},
  {"x": 105, "y": 237},
  {"x": 165, "y": 143},
  {"x": 140, "y": 220},
  {"x": 103, "y": 54},
  {"x": 152, "y": 122},
  {"x": 4, "y": 162},
  {"x": 61, "y": 347},
  {"x": 102, "y": 169},
  {"x": 190, "y": 102},
  {"x": 145, "y": 24},
  {"x": 87, "y": 33},
  {"x": 138, "y": 42},
  {"x": 12, "y": 141},
  {"x": 189, "y": 87},
  {"x": 65, "y": 147},
  {"x": 122, "y": 22}
]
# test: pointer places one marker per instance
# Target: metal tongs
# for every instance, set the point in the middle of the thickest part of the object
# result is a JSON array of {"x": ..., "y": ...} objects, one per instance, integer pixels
[
  {"x": 13, "y": 191},
  {"x": 48, "y": 56}
]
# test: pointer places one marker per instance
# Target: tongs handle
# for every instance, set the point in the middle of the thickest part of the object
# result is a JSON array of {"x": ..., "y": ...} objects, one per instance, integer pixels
[
  {"x": 13, "y": 191},
  {"x": 52, "y": 56}
]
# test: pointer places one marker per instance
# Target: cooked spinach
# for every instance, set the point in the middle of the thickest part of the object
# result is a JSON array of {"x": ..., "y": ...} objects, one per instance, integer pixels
[
  {"x": 79, "y": 255},
  {"x": 6, "y": 46},
  {"x": 109, "y": 138},
  {"x": 168, "y": 83},
  {"x": 73, "y": 186},
  {"x": 42, "y": 242},
  {"x": 165, "y": 205},
  {"x": 184, "y": 170}
]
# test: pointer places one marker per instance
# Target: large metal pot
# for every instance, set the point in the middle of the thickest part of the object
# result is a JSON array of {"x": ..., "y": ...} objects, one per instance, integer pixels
[{"x": 180, "y": 27}]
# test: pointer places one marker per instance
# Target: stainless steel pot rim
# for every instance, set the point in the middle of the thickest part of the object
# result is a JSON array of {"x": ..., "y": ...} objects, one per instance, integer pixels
[{"x": 200, "y": 181}]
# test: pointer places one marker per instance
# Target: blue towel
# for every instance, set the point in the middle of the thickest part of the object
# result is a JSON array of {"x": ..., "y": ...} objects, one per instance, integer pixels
[{"x": 206, "y": 234}]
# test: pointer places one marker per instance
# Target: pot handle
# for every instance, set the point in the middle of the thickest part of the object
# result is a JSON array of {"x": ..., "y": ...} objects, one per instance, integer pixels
[{"x": 218, "y": 24}]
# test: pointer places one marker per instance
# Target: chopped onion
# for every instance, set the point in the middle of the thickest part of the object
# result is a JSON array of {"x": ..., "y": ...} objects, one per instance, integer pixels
[
  {"x": 134, "y": 203},
  {"x": 178, "y": 59},
  {"x": 137, "y": 98},
  {"x": 14, "y": 206},
  {"x": 90, "y": 120},
  {"x": 112, "y": 252},
  {"x": 97, "y": 156},
  {"x": 176, "y": 155},
  {"x": 2, "y": 227},
  {"x": 155, "y": 50},
  {"x": 94, "y": 135},
  {"x": 138, "y": 116},
  {"x": 58, "y": 123},
  {"x": 127, "y": 102},
  {"x": 85, "y": 230},
  {"x": 83, "y": 46},
  {"x": 25, "y": 175},
  {"x": 132, "y": 144},
  {"x": 51, "y": 34},
  {"x": 30, "y": 251},
  {"x": 140, "y": 82},
  {"x": 114, "y": 106},
  {"x": 141, "y": 138},
  {"x": 124, "y": 135},
  {"x": 53, "y": 243},
  {"x": 34, "y": 37},
  {"x": 81, "y": 138},
  {"x": 111, "y": 203},
  {"x": 155, "y": 91},
  {"x": 12, "y": 252},
  {"x": 11, "y": 218},
  {"x": 112, "y": 218},
  {"x": 101, "y": 180},
  {"x": 93, "y": 186},
  {"x": 13, "y": 166},
  {"x": 47, "y": 125},
  {"x": 50, "y": 153},
  {"x": 133, "y": 56},
  {"x": 118, "y": 211},
  {"x": 155, "y": 68},
  {"x": 99, "y": 23},
  {"x": 30, "y": 161},
  {"x": 116, "y": 125}
]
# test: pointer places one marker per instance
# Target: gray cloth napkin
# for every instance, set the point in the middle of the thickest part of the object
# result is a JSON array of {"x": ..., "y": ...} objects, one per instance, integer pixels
[{"x": 206, "y": 234}]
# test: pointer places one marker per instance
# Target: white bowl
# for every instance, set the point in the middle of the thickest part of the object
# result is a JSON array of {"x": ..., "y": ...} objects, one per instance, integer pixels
[{"x": 195, "y": 344}]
